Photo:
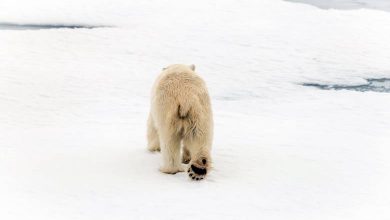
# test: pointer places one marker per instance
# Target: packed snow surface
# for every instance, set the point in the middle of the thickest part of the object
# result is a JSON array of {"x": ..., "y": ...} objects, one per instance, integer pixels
[{"x": 74, "y": 102}]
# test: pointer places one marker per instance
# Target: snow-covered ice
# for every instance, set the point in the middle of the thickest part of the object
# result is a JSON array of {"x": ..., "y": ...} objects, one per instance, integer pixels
[{"x": 74, "y": 103}]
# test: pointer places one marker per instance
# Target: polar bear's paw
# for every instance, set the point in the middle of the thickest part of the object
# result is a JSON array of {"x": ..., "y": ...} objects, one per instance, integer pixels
[
  {"x": 154, "y": 148},
  {"x": 171, "y": 170},
  {"x": 198, "y": 169}
]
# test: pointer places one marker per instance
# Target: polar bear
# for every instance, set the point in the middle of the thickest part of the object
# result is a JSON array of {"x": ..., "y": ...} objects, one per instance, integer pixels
[{"x": 181, "y": 115}]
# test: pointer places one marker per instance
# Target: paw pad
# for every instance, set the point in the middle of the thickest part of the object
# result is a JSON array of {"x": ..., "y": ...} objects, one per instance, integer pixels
[
  {"x": 196, "y": 173},
  {"x": 199, "y": 171}
]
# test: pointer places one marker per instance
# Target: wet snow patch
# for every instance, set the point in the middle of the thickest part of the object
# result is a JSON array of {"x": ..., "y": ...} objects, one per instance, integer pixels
[
  {"x": 15, "y": 26},
  {"x": 374, "y": 85}
]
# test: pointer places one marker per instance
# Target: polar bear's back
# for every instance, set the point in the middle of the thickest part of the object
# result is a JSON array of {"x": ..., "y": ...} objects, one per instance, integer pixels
[{"x": 180, "y": 99}]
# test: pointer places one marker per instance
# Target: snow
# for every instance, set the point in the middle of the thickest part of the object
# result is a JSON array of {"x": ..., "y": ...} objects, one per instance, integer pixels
[
  {"x": 348, "y": 4},
  {"x": 74, "y": 103}
]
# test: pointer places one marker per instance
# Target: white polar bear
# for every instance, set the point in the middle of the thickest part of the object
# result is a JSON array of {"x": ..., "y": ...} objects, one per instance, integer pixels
[{"x": 181, "y": 115}]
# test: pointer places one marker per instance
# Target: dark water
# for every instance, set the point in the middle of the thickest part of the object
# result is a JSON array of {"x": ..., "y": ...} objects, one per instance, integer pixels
[
  {"x": 348, "y": 4},
  {"x": 13, "y": 26},
  {"x": 375, "y": 85}
]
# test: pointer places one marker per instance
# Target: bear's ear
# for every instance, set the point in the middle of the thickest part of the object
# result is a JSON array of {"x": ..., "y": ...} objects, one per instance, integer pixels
[{"x": 192, "y": 66}]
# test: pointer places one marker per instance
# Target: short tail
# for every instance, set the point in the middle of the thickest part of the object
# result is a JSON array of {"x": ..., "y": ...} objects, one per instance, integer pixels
[
  {"x": 183, "y": 111},
  {"x": 188, "y": 123}
]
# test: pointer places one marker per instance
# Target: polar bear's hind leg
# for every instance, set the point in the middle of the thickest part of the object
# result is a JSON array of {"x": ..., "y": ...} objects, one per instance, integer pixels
[{"x": 200, "y": 161}]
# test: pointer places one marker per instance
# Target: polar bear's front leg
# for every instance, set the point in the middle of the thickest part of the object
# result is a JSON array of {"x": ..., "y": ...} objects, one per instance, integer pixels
[
  {"x": 170, "y": 151},
  {"x": 152, "y": 135},
  {"x": 186, "y": 156}
]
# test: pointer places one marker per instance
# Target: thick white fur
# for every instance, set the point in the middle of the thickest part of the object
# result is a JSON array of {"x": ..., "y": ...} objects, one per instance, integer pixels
[{"x": 180, "y": 115}]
